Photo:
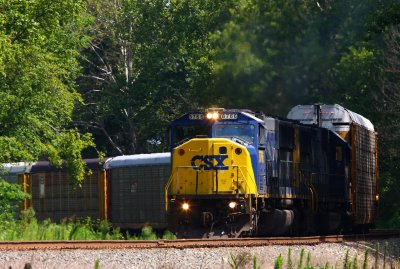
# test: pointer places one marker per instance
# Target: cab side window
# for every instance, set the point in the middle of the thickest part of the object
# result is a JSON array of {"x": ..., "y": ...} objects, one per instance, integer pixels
[{"x": 262, "y": 135}]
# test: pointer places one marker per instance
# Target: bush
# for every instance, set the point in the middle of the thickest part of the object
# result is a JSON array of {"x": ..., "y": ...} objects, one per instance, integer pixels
[
  {"x": 11, "y": 195},
  {"x": 148, "y": 234},
  {"x": 169, "y": 235}
]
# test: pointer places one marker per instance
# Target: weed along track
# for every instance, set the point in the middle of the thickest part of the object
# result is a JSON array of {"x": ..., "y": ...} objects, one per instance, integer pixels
[{"x": 194, "y": 243}]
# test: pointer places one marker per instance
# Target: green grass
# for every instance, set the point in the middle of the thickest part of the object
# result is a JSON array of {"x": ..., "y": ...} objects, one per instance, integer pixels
[
  {"x": 97, "y": 264},
  {"x": 278, "y": 262},
  {"x": 239, "y": 260},
  {"x": 347, "y": 263},
  {"x": 28, "y": 228}
]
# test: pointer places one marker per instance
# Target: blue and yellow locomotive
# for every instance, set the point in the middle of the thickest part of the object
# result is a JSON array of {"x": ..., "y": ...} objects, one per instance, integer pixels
[{"x": 237, "y": 173}]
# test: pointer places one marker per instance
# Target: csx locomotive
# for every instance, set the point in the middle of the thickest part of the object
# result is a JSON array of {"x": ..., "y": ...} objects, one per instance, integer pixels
[{"x": 239, "y": 173}]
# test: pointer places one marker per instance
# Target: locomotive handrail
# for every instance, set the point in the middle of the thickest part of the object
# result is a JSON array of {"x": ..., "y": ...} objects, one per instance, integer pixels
[
  {"x": 166, "y": 189},
  {"x": 243, "y": 176}
]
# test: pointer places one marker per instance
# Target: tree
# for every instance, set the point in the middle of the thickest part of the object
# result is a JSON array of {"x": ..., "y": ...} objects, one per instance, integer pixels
[
  {"x": 147, "y": 63},
  {"x": 259, "y": 59},
  {"x": 39, "y": 44},
  {"x": 389, "y": 127}
]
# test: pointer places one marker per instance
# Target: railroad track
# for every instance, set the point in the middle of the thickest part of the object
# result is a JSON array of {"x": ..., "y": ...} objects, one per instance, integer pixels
[{"x": 193, "y": 243}]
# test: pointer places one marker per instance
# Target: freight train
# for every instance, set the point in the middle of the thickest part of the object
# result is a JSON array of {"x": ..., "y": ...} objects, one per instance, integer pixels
[
  {"x": 230, "y": 173},
  {"x": 125, "y": 190},
  {"x": 239, "y": 173}
]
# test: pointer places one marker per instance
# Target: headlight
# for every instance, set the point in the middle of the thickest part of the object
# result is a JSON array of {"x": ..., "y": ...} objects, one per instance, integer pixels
[
  {"x": 213, "y": 115},
  {"x": 185, "y": 206},
  {"x": 232, "y": 205}
]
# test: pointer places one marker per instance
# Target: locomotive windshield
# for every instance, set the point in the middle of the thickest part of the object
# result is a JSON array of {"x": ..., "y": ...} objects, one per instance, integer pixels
[
  {"x": 242, "y": 131},
  {"x": 186, "y": 132}
]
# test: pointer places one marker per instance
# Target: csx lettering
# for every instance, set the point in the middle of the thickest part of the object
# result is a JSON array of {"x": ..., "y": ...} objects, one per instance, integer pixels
[{"x": 206, "y": 162}]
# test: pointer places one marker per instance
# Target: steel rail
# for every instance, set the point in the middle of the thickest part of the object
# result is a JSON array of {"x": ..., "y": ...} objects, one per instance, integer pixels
[{"x": 191, "y": 243}]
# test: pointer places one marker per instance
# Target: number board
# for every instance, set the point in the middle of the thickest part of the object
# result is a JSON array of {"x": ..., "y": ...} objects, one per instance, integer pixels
[
  {"x": 229, "y": 116},
  {"x": 196, "y": 117}
]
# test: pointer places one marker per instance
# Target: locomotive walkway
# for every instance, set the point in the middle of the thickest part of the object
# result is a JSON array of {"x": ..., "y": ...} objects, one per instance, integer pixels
[{"x": 194, "y": 243}]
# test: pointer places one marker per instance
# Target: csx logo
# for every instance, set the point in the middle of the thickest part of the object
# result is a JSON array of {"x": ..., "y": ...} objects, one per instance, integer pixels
[{"x": 206, "y": 162}]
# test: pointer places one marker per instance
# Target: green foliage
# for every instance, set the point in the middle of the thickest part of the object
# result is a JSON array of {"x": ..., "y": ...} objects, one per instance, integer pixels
[
  {"x": 278, "y": 262},
  {"x": 377, "y": 246},
  {"x": 168, "y": 235},
  {"x": 147, "y": 63},
  {"x": 308, "y": 261},
  {"x": 11, "y": 195},
  {"x": 255, "y": 265},
  {"x": 70, "y": 145},
  {"x": 246, "y": 51},
  {"x": 347, "y": 262},
  {"x": 97, "y": 264},
  {"x": 147, "y": 234},
  {"x": 301, "y": 260},
  {"x": 116, "y": 234},
  {"x": 353, "y": 69},
  {"x": 40, "y": 43},
  {"x": 28, "y": 228},
  {"x": 103, "y": 229},
  {"x": 365, "y": 264},
  {"x": 239, "y": 260}
]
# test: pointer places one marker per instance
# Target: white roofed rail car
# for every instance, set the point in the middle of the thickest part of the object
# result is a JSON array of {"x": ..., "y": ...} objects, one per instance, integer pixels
[
  {"x": 137, "y": 189},
  {"x": 18, "y": 173},
  {"x": 360, "y": 134},
  {"x": 55, "y": 197},
  {"x": 10, "y": 171},
  {"x": 139, "y": 159},
  {"x": 333, "y": 117}
]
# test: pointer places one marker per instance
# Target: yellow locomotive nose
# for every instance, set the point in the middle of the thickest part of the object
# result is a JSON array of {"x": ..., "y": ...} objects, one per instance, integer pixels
[{"x": 206, "y": 166}]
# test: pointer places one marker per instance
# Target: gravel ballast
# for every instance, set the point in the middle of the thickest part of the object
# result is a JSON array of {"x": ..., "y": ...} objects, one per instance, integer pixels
[{"x": 201, "y": 257}]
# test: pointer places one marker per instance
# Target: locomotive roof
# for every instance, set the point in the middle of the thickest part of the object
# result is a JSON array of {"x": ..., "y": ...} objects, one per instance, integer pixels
[
  {"x": 253, "y": 117},
  {"x": 330, "y": 114},
  {"x": 200, "y": 115},
  {"x": 139, "y": 159}
]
